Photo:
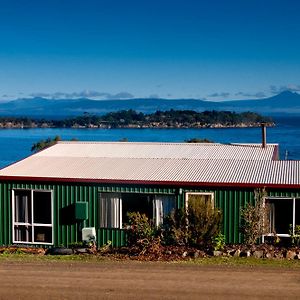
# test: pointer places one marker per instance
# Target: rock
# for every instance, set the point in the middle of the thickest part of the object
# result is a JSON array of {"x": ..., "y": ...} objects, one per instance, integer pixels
[
  {"x": 202, "y": 254},
  {"x": 237, "y": 253},
  {"x": 184, "y": 254},
  {"x": 199, "y": 253},
  {"x": 278, "y": 255},
  {"x": 217, "y": 253},
  {"x": 230, "y": 252},
  {"x": 245, "y": 253},
  {"x": 80, "y": 250},
  {"x": 297, "y": 256},
  {"x": 59, "y": 251},
  {"x": 269, "y": 255},
  {"x": 258, "y": 254},
  {"x": 290, "y": 254}
]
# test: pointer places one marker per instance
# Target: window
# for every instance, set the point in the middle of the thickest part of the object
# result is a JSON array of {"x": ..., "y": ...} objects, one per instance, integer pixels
[
  {"x": 204, "y": 198},
  {"x": 32, "y": 217},
  {"x": 163, "y": 205},
  {"x": 281, "y": 214},
  {"x": 115, "y": 206},
  {"x": 110, "y": 210}
]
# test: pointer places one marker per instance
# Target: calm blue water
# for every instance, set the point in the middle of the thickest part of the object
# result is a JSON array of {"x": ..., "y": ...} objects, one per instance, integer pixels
[{"x": 15, "y": 144}]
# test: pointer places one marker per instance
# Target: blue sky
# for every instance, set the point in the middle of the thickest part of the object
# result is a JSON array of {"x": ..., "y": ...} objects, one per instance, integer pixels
[{"x": 156, "y": 48}]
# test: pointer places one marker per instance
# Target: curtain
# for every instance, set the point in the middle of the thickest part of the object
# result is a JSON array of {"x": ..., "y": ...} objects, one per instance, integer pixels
[
  {"x": 271, "y": 208},
  {"x": 22, "y": 215},
  {"x": 158, "y": 214},
  {"x": 110, "y": 210},
  {"x": 22, "y": 209},
  {"x": 162, "y": 206}
]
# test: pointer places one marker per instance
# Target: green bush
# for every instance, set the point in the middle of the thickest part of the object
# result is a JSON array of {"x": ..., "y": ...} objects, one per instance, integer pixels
[
  {"x": 255, "y": 218},
  {"x": 295, "y": 234},
  {"x": 203, "y": 222},
  {"x": 174, "y": 228},
  {"x": 139, "y": 228},
  {"x": 218, "y": 241},
  {"x": 197, "y": 226}
]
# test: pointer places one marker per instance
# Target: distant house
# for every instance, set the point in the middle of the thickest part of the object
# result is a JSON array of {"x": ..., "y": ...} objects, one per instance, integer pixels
[{"x": 47, "y": 198}]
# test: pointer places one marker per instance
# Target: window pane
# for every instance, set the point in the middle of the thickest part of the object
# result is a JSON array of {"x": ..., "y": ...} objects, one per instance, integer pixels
[
  {"x": 163, "y": 205},
  {"x": 42, "y": 234},
  {"x": 110, "y": 210},
  {"x": 297, "y": 212},
  {"x": 22, "y": 207},
  {"x": 137, "y": 203},
  {"x": 195, "y": 200},
  {"x": 42, "y": 207},
  {"x": 23, "y": 233},
  {"x": 281, "y": 214}
]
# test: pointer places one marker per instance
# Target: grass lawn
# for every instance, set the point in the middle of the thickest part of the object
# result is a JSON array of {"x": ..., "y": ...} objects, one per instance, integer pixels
[{"x": 209, "y": 261}]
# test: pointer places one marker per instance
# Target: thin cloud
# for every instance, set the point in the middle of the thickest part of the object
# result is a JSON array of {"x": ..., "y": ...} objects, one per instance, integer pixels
[
  {"x": 84, "y": 94},
  {"x": 289, "y": 87},
  {"x": 122, "y": 95},
  {"x": 222, "y": 95},
  {"x": 255, "y": 95}
]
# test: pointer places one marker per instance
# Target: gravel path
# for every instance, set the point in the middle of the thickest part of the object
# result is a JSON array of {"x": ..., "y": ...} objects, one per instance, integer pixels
[{"x": 134, "y": 280}]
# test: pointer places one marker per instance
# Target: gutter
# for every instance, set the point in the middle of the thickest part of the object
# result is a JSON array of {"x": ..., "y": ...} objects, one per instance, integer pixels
[{"x": 143, "y": 182}]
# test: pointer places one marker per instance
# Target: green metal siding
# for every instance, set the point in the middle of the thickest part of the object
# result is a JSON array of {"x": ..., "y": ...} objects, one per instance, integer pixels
[
  {"x": 228, "y": 200},
  {"x": 64, "y": 195},
  {"x": 116, "y": 236},
  {"x": 231, "y": 200}
]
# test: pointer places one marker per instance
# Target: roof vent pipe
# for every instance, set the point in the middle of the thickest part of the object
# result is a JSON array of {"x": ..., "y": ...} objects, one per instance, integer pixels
[{"x": 263, "y": 135}]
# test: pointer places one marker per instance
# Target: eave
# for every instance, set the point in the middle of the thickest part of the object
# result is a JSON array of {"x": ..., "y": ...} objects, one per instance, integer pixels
[{"x": 152, "y": 183}]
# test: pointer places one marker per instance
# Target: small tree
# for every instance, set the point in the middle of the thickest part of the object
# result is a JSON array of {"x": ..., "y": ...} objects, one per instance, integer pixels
[
  {"x": 254, "y": 218},
  {"x": 198, "y": 140},
  {"x": 198, "y": 225},
  {"x": 203, "y": 222},
  {"x": 43, "y": 144}
]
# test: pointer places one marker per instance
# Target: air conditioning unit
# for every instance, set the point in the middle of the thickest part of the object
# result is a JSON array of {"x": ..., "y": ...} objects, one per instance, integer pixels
[{"x": 88, "y": 234}]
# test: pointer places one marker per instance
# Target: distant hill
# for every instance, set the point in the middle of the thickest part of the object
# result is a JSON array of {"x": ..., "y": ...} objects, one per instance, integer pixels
[{"x": 283, "y": 103}]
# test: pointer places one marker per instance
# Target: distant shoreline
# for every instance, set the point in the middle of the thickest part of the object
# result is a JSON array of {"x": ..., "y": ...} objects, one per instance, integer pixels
[
  {"x": 135, "y": 126},
  {"x": 160, "y": 119}
]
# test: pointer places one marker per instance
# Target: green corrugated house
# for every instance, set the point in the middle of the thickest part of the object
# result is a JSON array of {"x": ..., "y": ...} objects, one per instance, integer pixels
[{"x": 49, "y": 197}]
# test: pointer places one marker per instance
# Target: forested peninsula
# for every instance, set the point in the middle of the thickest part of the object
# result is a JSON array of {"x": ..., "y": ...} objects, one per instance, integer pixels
[{"x": 133, "y": 119}]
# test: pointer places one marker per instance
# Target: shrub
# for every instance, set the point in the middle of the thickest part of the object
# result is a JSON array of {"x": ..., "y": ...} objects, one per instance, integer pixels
[
  {"x": 295, "y": 234},
  {"x": 203, "y": 222},
  {"x": 139, "y": 228},
  {"x": 174, "y": 228},
  {"x": 197, "y": 226},
  {"x": 254, "y": 218},
  {"x": 218, "y": 241}
]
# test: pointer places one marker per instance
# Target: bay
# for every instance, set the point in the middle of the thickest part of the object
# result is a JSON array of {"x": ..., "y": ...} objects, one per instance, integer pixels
[{"x": 15, "y": 144}]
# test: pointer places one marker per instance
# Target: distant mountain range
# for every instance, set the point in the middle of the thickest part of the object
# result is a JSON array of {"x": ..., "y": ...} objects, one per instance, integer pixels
[{"x": 284, "y": 103}]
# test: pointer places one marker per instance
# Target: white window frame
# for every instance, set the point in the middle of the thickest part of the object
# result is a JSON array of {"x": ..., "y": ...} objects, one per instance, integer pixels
[
  {"x": 187, "y": 194},
  {"x": 31, "y": 224},
  {"x": 294, "y": 216}
]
